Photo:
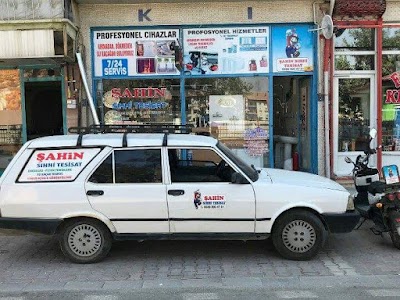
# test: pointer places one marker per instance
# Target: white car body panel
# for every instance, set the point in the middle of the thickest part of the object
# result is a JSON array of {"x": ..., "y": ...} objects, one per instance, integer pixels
[
  {"x": 239, "y": 204},
  {"x": 248, "y": 208}
]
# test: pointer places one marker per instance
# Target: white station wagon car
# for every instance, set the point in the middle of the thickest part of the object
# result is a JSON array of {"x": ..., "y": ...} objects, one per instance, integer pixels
[{"x": 91, "y": 189}]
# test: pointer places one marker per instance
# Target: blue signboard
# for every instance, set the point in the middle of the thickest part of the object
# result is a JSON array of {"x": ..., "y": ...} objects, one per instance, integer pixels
[{"x": 115, "y": 67}]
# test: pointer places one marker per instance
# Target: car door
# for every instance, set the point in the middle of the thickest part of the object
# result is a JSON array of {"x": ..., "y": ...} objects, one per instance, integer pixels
[
  {"x": 201, "y": 197},
  {"x": 127, "y": 187}
]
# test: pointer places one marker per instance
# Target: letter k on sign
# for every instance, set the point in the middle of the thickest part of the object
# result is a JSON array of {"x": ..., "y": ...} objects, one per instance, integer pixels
[{"x": 143, "y": 15}]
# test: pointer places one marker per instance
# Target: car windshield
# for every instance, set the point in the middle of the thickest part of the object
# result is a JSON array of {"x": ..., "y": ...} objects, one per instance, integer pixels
[{"x": 248, "y": 170}]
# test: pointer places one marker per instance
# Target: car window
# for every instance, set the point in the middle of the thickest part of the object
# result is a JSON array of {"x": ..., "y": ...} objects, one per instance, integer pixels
[
  {"x": 138, "y": 166},
  {"x": 198, "y": 165},
  {"x": 103, "y": 173}
]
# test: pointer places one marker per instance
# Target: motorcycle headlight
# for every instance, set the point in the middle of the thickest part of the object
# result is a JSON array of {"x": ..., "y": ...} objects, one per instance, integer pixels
[{"x": 350, "y": 203}]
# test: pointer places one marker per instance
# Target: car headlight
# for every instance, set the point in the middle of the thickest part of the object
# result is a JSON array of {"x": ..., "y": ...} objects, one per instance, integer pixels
[{"x": 350, "y": 203}]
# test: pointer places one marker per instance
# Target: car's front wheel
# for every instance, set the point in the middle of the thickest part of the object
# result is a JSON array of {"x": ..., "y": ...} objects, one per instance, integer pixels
[
  {"x": 298, "y": 235},
  {"x": 85, "y": 241}
]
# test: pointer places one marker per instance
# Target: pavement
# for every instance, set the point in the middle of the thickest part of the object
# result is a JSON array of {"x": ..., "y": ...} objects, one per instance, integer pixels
[{"x": 34, "y": 263}]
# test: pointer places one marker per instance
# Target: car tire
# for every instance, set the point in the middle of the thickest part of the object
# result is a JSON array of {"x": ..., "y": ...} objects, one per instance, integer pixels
[
  {"x": 298, "y": 235},
  {"x": 85, "y": 241}
]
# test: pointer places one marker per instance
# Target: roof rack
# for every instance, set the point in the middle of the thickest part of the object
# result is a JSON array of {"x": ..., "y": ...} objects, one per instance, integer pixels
[{"x": 125, "y": 129}]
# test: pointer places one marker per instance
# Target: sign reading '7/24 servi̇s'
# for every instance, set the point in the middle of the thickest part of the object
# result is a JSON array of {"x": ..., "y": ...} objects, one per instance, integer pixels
[{"x": 123, "y": 53}]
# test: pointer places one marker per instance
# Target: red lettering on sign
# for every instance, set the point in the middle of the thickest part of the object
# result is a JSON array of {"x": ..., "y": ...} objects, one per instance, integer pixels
[
  {"x": 392, "y": 96},
  {"x": 148, "y": 92},
  {"x": 396, "y": 79},
  {"x": 59, "y": 156}
]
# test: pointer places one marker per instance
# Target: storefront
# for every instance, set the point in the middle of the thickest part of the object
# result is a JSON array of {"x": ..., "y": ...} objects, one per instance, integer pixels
[
  {"x": 37, "y": 74},
  {"x": 34, "y": 102},
  {"x": 366, "y": 82},
  {"x": 251, "y": 86}
]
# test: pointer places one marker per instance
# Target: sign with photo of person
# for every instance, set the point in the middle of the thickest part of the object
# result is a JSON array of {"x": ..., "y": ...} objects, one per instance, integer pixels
[{"x": 292, "y": 48}]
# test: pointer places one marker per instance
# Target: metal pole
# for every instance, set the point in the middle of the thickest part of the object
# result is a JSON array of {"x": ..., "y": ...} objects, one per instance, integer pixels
[{"x": 89, "y": 96}]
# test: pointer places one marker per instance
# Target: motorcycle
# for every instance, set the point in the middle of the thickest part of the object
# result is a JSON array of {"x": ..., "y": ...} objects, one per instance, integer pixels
[
  {"x": 376, "y": 200},
  {"x": 363, "y": 177},
  {"x": 389, "y": 207}
]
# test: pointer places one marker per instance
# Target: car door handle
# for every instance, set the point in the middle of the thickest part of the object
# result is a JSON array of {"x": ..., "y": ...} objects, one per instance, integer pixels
[
  {"x": 176, "y": 192},
  {"x": 95, "y": 193}
]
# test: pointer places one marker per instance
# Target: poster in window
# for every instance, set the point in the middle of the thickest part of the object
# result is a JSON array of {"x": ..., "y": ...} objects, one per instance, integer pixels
[
  {"x": 226, "y": 50},
  {"x": 292, "y": 48},
  {"x": 124, "y": 53}
]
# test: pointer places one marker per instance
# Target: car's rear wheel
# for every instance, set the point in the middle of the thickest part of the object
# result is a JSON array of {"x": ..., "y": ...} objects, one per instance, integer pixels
[
  {"x": 85, "y": 241},
  {"x": 298, "y": 235}
]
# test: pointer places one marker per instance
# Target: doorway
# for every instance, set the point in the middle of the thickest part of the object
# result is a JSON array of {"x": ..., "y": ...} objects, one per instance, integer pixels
[
  {"x": 43, "y": 109},
  {"x": 292, "y": 129},
  {"x": 354, "y": 115}
]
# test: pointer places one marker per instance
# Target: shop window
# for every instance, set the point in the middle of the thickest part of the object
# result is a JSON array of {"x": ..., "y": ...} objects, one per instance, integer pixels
[
  {"x": 354, "y": 62},
  {"x": 234, "y": 110},
  {"x": 357, "y": 39},
  {"x": 143, "y": 101},
  {"x": 391, "y": 39},
  {"x": 10, "y": 116},
  {"x": 390, "y": 103},
  {"x": 354, "y": 112}
]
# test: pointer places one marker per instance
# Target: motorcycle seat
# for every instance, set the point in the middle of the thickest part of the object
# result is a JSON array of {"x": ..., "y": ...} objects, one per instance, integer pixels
[
  {"x": 376, "y": 187},
  {"x": 363, "y": 209}
]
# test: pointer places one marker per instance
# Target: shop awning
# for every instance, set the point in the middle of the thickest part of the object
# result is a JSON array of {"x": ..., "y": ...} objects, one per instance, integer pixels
[{"x": 359, "y": 8}]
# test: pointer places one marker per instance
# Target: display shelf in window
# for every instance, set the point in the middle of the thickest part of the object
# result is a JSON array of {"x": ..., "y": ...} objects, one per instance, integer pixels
[{"x": 10, "y": 134}]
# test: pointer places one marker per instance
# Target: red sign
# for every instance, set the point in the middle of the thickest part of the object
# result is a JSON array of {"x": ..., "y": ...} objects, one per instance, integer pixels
[
  {"x": 148, "y": 92},
  {"x": 392, "y": 95}
]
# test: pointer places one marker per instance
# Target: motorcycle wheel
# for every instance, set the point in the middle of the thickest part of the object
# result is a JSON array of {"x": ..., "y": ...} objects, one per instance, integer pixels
[{"x": 394, "y": 235}]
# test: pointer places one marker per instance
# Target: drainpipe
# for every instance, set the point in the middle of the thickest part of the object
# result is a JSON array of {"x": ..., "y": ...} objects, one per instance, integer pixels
[
  {"x": 327, "y": 47},
  {"x": 379, "y": 90},
  {"x": 84, "y": 80}
]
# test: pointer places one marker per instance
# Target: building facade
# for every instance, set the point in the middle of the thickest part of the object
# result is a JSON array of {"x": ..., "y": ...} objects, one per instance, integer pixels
[{"x": 258, "y": 75}]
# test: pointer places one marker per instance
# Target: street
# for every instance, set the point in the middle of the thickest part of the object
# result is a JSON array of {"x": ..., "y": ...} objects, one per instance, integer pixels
[{"x": 357, "y": 265}]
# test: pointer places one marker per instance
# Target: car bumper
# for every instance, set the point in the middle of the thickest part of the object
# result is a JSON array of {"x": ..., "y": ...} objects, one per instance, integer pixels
[
  {"x": 341, "y": 223},
  {"x": 46, "y": 226}
]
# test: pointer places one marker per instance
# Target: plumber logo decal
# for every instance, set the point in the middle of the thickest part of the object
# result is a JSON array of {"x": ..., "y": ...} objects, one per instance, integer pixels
[{"x": 208, "y": 201}]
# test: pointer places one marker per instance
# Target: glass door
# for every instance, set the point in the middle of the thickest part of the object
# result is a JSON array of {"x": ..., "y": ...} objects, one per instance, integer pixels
[{"x": 354, "y": 115}]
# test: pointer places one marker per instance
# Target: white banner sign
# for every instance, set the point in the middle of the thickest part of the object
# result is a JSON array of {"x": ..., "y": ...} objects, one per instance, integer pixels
[
  {"x": 57, "y": 165},
  {"x": 226, "y": 50},
  {"x": 123, "y": 53}
]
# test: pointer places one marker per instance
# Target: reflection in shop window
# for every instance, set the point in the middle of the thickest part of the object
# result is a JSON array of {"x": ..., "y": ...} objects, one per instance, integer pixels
[
  {"x": 354, "y": 62},
  {"x": 145, "y": 101},
  {"x": 391, "y": 112},
  {"x": 354, "y": 112},
  {"x": 355, "y": 39},
  {"x": 10, "y": 116},
  {"x": 391, "y": 39},
  {"x": 235, "y": 111},
  {"x": 390, "y": 89}
]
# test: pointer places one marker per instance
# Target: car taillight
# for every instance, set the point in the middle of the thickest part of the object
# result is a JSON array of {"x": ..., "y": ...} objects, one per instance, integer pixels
[{"x": 391, "y": 197}]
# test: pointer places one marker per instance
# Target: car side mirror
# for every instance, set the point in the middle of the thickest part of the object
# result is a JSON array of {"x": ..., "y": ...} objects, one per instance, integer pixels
[{"x": 238, "y": 178}]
